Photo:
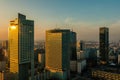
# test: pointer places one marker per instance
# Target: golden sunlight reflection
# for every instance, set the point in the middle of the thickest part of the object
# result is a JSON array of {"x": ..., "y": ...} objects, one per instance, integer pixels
[{"x": 13, "y": 27}]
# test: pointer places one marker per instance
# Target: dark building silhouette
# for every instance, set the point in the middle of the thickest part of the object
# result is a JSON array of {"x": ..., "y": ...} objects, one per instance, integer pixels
[
  {"x": 1, "y": 54},
  {"x": 73, "y": 46},
  {"x": 73, "y": 56},
  {"x": 104, "y": 44},
  {"x": 92, "y": 57},
  {"x": 82, "y": 45}
]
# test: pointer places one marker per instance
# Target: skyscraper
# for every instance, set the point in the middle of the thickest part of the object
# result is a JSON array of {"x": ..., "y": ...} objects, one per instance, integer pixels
[
  {"x": 58, "y": 53},
  {"x": 73, "y": 45},
  {"x": 21, "y": 47},
  {"x": 104, "y": 44},
  {"x": 73, "y": 56}
]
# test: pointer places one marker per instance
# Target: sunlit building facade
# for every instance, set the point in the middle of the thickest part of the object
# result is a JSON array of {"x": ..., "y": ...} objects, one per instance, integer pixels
[
  {"x": 104, "y": 44},
  {"x": 21, "y": 47},
  {"x": 58, "y": 53}
]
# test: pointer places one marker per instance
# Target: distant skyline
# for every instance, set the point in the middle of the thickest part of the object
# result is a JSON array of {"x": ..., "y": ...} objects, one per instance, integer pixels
[{"x": 82, "y": 16}]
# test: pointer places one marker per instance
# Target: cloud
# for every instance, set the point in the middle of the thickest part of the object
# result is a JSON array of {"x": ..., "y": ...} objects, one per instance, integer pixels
[{"x": 68, "y": 20}]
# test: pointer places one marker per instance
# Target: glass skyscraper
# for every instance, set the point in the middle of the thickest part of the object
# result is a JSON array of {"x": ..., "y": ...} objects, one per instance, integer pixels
[
  {"x": 60, "y": 50},
  {"x": 104, "y": 44},
  {"x": 58, "y": 53},
  {"x": 21, "y": 47},
  {"x": 73, "y": 46}
]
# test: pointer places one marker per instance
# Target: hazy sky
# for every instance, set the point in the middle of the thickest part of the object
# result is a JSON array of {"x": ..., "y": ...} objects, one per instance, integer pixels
[{"x": 82, "y": 16}]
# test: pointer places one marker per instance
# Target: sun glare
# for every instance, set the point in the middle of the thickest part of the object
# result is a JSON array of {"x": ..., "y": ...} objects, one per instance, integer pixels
[{"x": 13, "y": 27}]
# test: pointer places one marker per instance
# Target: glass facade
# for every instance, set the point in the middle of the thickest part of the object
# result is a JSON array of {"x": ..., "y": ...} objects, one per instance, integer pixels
[
  {"x": 104, "y": 43},
  {"x": 21, "y": 47},
  {"x": 58, "y": 52},
  {"x": 73, "y": 46},
  {"x": 54, "y": 51},
  {"x": 13, "y": 46}
]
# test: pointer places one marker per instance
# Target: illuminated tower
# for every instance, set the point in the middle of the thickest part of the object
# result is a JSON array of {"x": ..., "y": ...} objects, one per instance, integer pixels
[
  {"x": 21, "y": 47},
  {"x": 58, "y": 53},
  {"x": 104, "y": 44}
]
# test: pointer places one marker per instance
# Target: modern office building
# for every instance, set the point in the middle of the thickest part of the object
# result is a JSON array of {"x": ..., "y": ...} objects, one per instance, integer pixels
[
  {"x": 73, "y": 45},
  {"x": 58, "y": 51},
  {"x": 73, "y": 56},
  {"x": 21, "y": 47},
  {"x": 104, "y": 44}
]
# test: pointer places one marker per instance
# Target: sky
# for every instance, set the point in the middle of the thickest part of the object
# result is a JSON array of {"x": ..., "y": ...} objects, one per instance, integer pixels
[{"x": 85, "y": 17}]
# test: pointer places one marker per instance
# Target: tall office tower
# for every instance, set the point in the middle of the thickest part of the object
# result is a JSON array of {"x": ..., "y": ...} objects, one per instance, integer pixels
[
  {"x": 73, "y": 46},
  {"x": 104, "y": 44},
  {"x": 21, "y": 47},
  {"x": 58, "y": 53},
  {"x": 73, "y": 56}
]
